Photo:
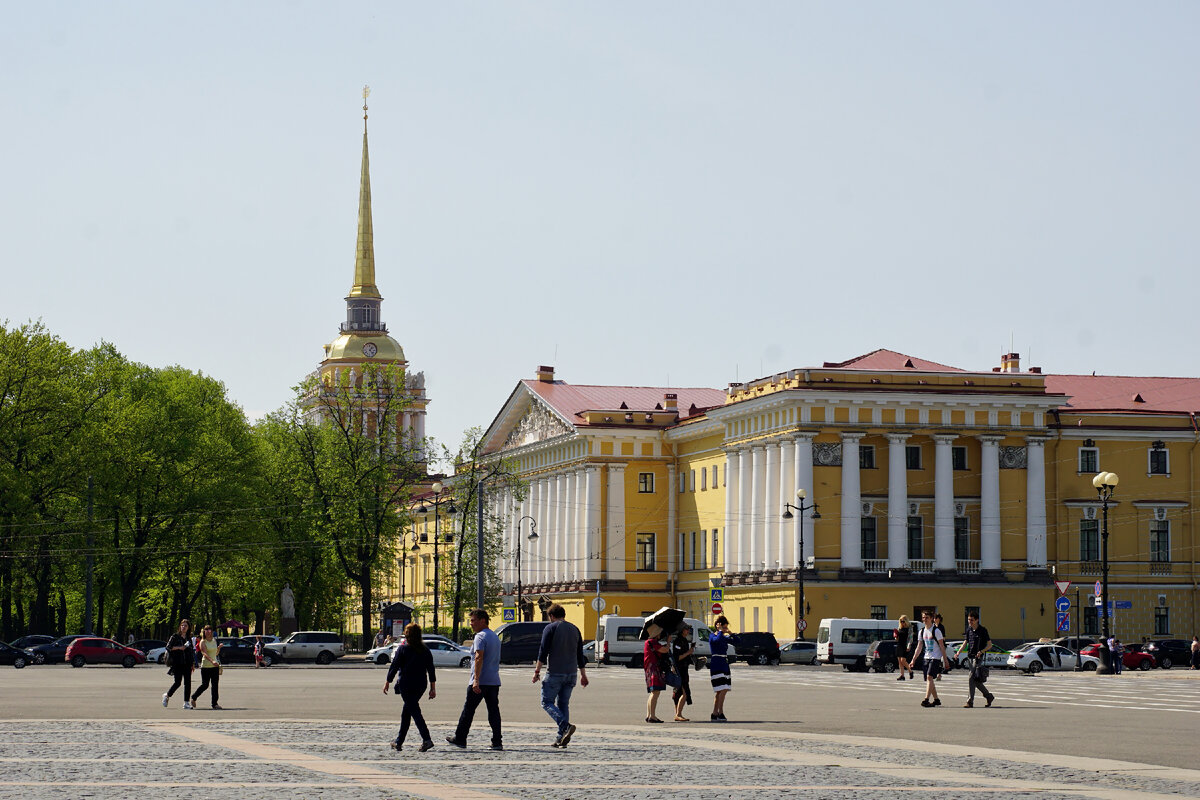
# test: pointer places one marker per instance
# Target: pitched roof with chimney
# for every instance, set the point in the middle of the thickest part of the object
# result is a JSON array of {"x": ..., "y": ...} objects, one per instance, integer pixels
[
  {"x": 1127, "y": 393},
  {"x": 571, "y": 400},
  {"x": 890, "y": 361}
]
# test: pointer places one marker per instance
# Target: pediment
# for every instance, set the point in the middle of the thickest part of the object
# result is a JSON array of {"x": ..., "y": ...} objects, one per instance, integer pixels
[{"x": 537, "y": 424}]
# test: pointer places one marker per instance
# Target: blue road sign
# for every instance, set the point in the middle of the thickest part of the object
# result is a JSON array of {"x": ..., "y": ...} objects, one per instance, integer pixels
[
  {"x": 1098, "y": 587},
  {"x": 510, "y": 615},
  {"x": 1122, "y": 605},
  {"x": 1064, "y": 621},
  {"x": 718, "y": 595},
  {"x": 1063, "y": 604}
]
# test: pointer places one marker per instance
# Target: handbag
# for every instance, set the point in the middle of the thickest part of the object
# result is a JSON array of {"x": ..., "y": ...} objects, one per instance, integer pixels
[
  {"x": 672, "y": 680},
  {"x": 980, "y": 673}
]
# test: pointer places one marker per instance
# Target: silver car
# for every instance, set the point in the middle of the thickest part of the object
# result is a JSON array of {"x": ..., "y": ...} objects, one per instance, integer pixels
[{"x": 800, "y": 651}]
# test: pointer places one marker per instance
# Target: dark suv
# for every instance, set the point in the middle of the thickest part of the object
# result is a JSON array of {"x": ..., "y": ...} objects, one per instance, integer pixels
[
  {"x": 1170, "y": 652},
  {"x": 520, "y": 641},
  {"x": 757, "y": 648},
  {"x": 881, "y": 656}
]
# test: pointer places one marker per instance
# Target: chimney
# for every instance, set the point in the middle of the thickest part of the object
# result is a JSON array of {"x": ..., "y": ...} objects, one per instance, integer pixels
[
  {"x": 545, "y": 374},
  {"x": 1010, "y": 362},
  {"x": 670, "y": 402},
  {"x": 1036, "y": 370}
]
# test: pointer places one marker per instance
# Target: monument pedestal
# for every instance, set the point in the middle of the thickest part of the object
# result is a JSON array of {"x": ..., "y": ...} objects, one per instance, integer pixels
[{"x": 287, "y": 626}]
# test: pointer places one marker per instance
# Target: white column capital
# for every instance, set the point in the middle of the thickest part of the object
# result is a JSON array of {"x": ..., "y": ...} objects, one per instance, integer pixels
[
  {"x": 852, "y": 437},
  {"x": 990, "y": 438},
  {"x": 944, "y": 438},
  {"x": 617, "y": 467},
  {"x": 1036, "y": 441},
  {"x": 898, "y": 438},
  {"x": 804, "y": 436}
]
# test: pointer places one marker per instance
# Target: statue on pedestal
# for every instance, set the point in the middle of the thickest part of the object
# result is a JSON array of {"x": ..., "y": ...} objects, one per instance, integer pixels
[{"x": 287, "y": 602}]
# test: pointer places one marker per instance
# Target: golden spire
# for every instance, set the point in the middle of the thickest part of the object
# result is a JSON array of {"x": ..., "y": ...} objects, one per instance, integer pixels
[{"x": 364, "y": 255}]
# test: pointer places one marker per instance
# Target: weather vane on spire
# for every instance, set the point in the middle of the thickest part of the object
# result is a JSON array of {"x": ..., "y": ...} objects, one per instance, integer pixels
[{"x": 366, "y": 94}]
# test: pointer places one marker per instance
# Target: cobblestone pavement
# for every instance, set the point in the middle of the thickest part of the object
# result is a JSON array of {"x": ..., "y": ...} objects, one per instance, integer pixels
[{"x": 352, "y": 760}]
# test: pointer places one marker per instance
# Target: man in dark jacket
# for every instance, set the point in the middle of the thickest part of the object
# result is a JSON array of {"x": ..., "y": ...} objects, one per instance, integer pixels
[
  {"x": 562, "y": 654},
  {"x": 978, "y": 640}
]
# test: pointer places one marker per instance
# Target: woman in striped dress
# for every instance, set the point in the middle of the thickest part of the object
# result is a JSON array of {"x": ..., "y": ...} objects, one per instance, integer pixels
[{"x": 718, "y": 665}]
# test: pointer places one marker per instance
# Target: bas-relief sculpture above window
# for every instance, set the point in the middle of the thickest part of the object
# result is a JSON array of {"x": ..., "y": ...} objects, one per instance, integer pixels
[{"x": 1013, "y": 458}]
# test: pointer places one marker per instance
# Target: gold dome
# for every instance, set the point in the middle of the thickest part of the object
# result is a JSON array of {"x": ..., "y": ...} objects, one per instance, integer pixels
[{"x": 350, "y": 346}]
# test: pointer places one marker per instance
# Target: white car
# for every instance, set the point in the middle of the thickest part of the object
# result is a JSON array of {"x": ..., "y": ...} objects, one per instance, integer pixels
[
  {"x": 1037, "y": 656},
  {"x": 445, "y": 653},
  {"x": 381, "y": 655},
  {"x": 157, "y": 656}
]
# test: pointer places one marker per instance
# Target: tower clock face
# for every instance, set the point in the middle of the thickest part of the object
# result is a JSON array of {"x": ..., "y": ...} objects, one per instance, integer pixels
[{"x": 369, "y": 349}]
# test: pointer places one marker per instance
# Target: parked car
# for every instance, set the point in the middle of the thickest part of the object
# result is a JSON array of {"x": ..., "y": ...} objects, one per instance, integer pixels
[
  {"x": 620, "y": 640},
  {"x": 994, "y": 656},
  {"x": 146, "y": 645},
  {"x": 755, "y": 647},
  {"x": 589, "y": 651},
  {"x": 519, "y": 641},
  {"x": 446, "y": 654},
  {"x": 31, "y": 640},
  {"x": 845, "y": 641},
  {"x": 14, "y": 656},
  {"x": 381, "y": 655},
  {"x": 53, "y": 652},
  {"x": 94, "y": 650},
  {"x": 881, "y": 656},
  {"x": 1130, "y": 659},
  {"x": 1037, "y": 656},
  {"x": 1170, "y": 652},
  {"x": 236, "y": 649},
  {"x": 324, "y": 647},
  {"x": 800, "y": 651},
  {"x": 158, "y": 655},
  {"x": 1075, "y": 643}
]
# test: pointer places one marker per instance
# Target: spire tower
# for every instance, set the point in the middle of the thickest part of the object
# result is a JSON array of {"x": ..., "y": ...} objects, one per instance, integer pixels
[{"x": 364, "y": 255}]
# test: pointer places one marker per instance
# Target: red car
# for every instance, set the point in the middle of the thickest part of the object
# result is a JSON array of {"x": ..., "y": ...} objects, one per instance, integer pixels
[
  {"x": 94, "y": 650},
  {"x": 1131, "y": 659}
]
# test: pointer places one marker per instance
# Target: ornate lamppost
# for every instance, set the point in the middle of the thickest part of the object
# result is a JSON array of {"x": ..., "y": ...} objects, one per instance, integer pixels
[
  {"x": 1106, "y": 487},
  {"x": 533, "y": 534},
  {"x": 800, "y": 509}
]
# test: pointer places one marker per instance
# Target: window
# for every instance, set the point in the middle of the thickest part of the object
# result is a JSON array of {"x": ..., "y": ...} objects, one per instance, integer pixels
[
  {"x": 912, "y": 456},
  {"x": 868, "y": 537},
  {"x": 916, "y": 537},
  {"x": 691, "y": 480},
  {"x": 1159, "y": 463},
  {"x": 716, "y": 562},
  {"x": 682, "y": 552},
  {"x": 1160, "y": 540},
  {"x": 682, "y": 482},
  {"x": 703, "y": 550},
  {"x": 692, "y": 551},
  {"x": 962, "y": 538},
  {"x": 866, "y": 456},
  {"x": 1091, "y": 621},
  {"x": 714, "y": 476},
  {"x": 1089, "y": 460},
  {"x": 878, "y": 612},
  {"x": 958, "y": 458},
  {"x": 1162, "y": 621},
  {"x": 1089, "y": 540},
  {"x": 704, "y": 479},
  {"x": 645, "y": 552},
  {"x": 646, "y": 482}
]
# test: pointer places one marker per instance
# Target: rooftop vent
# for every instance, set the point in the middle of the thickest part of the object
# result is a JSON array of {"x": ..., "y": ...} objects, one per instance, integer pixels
[
  {"x": 623, "y": 406},
  {"x": 1137, "y": 398},
  {"x": 670, "y": 401},
  {"x": 908, "y": 363},
  {"x": 1010, "y": 362}
]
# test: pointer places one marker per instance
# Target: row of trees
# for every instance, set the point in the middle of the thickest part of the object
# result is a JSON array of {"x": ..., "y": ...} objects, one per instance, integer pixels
[{"x": 180, "y": 506}]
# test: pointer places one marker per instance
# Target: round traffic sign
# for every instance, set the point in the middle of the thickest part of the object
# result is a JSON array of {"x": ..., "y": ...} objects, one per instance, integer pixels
[
  {"x": 598, "y": 603},
  {"x": 801, "y": 625},
  {"x": 717, "y": 608},
  {"x": 1063, "y": 604}
]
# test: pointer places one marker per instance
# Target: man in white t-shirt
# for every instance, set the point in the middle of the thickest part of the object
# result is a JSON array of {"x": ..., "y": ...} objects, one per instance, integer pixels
[{"x": 932, "y": 643}]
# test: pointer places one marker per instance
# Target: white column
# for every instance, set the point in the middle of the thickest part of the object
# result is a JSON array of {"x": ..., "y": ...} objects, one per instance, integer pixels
[
  {"x": 804, "y": 480},
  {"x": 897, "y": 514},
  {"x": 421, "y": 434},
  {"x": 943, "y": 504},
  {"x": 530, "y": 550},
  {"x": 580, "y": 517},
  {"x": 406, "y": 434},
  {"x": 787, "y": 493},
  {"x": 558, "y": 541},
  {"x": 1035, "y": 503},
  {"x": 851, "y": 503},
  {"x": 729, "y": 536},
  {"x": 771, "y": 509},
  {"x": 570, "y": 569},
  {"x": 745, "y": 521},
  {"x": 757, "y": 493},
  {"x": 614, "y": 554},
  {"x": 989, "y": 501},
  {"x": 595, "y": 560},
  {"x": 672, "y": 519}
]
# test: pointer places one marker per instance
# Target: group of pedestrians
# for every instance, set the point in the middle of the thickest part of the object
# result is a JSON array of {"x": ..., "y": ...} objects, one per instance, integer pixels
[
  {"x": 186, "y": 653},
  {"x": 930, "y": 642},
  {"x": 667, "y": 661}
]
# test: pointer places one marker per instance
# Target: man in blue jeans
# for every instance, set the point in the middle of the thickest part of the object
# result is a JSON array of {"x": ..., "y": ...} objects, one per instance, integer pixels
[{"x": 561, "y": 653}]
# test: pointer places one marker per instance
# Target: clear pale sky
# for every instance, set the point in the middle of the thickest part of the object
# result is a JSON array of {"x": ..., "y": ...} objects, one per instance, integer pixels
[{"x": 664, "y": 193}]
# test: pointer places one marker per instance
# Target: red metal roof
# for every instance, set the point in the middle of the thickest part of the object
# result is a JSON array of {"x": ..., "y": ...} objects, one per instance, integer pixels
[
  {"x": 571, "y": 400},
  {"x": 1118, "y": 393},
  {"x": 891, "y": 361}
]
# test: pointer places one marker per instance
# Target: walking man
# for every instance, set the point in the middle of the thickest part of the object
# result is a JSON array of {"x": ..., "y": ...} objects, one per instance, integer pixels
[
  {"x": 933, "y": 644},
  {"x": 978, "y": 640},
  {"x": 561, "y": 652},
  {"x": 485, "y": 681}
]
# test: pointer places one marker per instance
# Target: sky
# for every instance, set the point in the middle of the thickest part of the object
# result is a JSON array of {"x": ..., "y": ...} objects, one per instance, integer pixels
[{"x": 667, "y": 194}]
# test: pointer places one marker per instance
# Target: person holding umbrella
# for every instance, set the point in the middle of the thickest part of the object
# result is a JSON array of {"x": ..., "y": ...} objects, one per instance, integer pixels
[{"x": 718, "y": 665}]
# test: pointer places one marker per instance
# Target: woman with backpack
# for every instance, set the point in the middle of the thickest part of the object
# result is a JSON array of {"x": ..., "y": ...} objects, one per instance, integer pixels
[{"x": 414, "y": 663}]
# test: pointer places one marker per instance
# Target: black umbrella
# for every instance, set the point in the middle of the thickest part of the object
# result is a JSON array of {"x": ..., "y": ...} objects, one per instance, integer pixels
[{"x": 665, "y": 620}]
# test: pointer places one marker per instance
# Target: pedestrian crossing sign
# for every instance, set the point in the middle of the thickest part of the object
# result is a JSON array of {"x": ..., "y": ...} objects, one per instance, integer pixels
[
  {"x": 510, "y": 615},
  {"x": 718, "y": 594}
]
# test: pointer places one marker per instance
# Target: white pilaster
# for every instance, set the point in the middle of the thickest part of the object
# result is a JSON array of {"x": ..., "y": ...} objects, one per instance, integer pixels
[
  {"x": 530, "y": 551},
  {"x": 771, "y": 509},
  {"x": 595, "y": 560},
  {"x": 897, "y": 513},
  {"x": 729, "y": 536},
  {"x": 804, "y": 480},
  {"x": 559, "y": 541},
  {"x": 569, "y": 568},
  {"x": 989, "y": 501},
  {"x": 851, "y": 503},
  {"x": 672, "y": 519},
  {"x": 614, "y": 554},
  {"x": 943, "y": 503},
  {"x": 757, "y": 494},
  {"x": 1035, "y": 503},
  {"x": 787, "y": 493},
  {"x": 745, "y": 519}
]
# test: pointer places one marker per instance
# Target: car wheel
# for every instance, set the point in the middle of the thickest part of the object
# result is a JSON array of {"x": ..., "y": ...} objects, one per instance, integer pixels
[
  {"x": 889, "y": 667},
  {"x": 1034, "y": 668},
  {"x": 128, "y": 662},
  {"x": 324, "y": 657},
  {"x": 1145, "y": 665},
  {"x": 762, "y": 660},
  {"x": 78, "y": 661},
  {"x": 465, "y": 661},
  {"x": 19, "y": 662},
  {"x": 1166, "y": 662},
  {"x": 1089, "y": 667},
  {"x": 162, "y": 659},
  {"x": 268, "y": 659},
  {"x": 40, "y": 658},
  {"x": 382, "y": 658}
]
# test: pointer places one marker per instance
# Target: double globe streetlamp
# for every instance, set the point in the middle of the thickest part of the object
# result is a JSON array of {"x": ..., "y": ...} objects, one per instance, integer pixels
[
  {"x": 800, "y": 509},
  {"x": 423, "y": 510},
  {"x": 1106, "y": 487},
  {"x": 533, "y": 534}
]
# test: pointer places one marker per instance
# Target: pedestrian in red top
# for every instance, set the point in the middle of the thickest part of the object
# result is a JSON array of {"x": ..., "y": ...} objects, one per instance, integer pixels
[{"x": 655, "y": 682}]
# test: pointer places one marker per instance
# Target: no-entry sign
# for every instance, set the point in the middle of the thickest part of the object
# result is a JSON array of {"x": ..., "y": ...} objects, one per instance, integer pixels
[{"x": 717, "y": 608}]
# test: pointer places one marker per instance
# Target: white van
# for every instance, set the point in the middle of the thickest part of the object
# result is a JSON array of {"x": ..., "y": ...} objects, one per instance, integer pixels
[
  {"x": 619, "y": 639},
  {"x": 845, "y": 641}
]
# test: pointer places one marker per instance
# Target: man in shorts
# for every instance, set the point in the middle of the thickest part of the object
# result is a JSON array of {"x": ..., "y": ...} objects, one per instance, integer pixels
[{"x": 932, "y": 643}]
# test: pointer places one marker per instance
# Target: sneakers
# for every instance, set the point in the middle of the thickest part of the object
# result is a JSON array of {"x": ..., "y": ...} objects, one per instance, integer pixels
[
  {"x": 166, "y": 697},
  {"x": 937, "y": 702},
  {"x": 456, "y": 743},
  {"x": 926, "y": 704},
  {"x": 188, "y": 706},
  {"x": 496, "y": 747},
  {"x": 565, "y": 739},
  {"x": 714, "y": 717},
  {"x": 721, "y": 716}
]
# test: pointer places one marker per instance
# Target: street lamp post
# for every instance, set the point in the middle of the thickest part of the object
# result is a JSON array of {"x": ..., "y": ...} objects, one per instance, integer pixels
[
  {"x": 788, "y": 508},
  {"x": 1106, "y": 486},
  {"x": 423, "y": 510},
  {"x": 533, "y": 534}
]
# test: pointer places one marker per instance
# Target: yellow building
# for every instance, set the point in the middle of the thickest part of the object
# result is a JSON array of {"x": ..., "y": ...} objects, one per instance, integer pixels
[{"x": 935, "y": 487}]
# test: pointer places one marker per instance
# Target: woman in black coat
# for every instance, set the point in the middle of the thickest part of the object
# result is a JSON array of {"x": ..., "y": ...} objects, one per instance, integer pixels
[
  {"x": 413, "y": 662},
  {"x": 181, "y": 658}
]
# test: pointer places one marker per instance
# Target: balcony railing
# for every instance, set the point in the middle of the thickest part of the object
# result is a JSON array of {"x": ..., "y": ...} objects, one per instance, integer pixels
[
  {"x": 920, "y": 565},
  {"x": 1090, "y": 568},
  {"x": 1160, "y": 567},
  {"x": 967, "y": 566},
  {"x": 874, "y": 565}
]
